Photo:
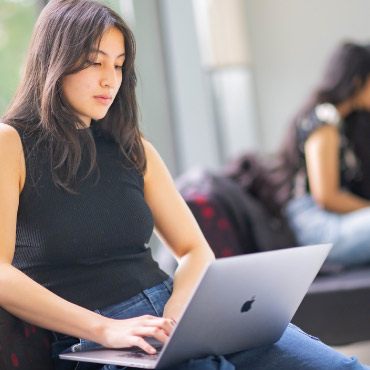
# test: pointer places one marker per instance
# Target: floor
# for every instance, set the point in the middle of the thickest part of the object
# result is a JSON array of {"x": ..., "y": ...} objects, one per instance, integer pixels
[{"x": 361, "y": 350}]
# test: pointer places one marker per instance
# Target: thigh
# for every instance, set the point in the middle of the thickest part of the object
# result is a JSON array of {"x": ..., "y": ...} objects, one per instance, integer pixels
[
  {"x": 310, "y": 223},
  {"x": 295, "y": 350},
  {"x": 149, "y": 302},
  {"x": 349, "y": 233},
  {"x": 353, "y": 245}
]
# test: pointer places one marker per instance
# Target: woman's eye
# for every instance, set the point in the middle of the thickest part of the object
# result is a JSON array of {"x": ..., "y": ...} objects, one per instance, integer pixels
[
  {"x": 118, "y": 67},
  {"x": 92, "y": 63}
]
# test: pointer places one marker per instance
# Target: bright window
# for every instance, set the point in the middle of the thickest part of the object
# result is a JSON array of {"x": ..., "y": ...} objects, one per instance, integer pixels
[{"x": 17, "y": 18}]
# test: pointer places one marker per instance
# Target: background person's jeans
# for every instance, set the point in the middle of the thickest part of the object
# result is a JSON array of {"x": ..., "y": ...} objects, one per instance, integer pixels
[
  {"x": 294, "y": 351},
  {"x": 349, "y": 232}
]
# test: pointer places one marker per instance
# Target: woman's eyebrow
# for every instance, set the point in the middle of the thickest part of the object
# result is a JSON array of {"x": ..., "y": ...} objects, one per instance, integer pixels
[{"x": 106, "y": 54}]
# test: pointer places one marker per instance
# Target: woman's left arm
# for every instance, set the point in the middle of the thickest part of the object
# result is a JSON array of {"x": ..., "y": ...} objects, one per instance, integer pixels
[{"x": 176, "y": 226}]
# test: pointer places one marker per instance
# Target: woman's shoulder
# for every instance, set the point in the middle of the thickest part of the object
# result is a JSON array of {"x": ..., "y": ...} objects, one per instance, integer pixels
[
  {"x": 148, "y": 147},
  {"x": 154, "y": 162},
  {"x": 11, "y": 150},
  {"x": 10, "y": 141},
  {"x": 322, "y": 117},
  {"x": 152, "y": 155}
]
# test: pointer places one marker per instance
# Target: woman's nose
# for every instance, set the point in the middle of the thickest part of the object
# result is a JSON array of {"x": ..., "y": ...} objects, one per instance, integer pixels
[{"x": 109, "y": 78}]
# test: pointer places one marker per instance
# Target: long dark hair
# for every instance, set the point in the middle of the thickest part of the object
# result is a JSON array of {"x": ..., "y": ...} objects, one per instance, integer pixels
[
  {"x": 64, "y": 36},
  {"x": 345, "y": 75}
]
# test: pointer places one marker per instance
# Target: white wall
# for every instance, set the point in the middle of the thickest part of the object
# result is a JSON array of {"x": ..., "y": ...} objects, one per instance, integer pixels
[{"x": 290, "y": 42}]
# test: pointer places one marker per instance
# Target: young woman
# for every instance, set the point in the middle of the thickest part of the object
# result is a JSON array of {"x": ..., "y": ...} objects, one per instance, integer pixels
[
  {"x": 80, "y": 191},
  {"x": 324, "y": 161}
]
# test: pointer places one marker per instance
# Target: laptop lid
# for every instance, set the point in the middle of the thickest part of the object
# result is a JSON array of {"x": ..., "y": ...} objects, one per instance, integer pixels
[{"x": 240, "y": 303}]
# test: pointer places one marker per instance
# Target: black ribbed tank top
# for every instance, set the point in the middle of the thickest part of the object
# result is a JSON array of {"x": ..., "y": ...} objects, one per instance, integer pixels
[{"x": 89, "y": 248}]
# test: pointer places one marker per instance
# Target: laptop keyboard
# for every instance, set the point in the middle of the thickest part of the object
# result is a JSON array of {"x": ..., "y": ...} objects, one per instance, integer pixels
[{"x": 139, "y": 353}]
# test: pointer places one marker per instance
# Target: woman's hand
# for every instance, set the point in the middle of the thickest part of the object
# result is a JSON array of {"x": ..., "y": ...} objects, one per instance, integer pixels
[{"x": 131, "y": 332}]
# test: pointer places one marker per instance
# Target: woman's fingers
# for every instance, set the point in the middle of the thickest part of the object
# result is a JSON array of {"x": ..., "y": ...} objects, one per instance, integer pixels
[
  {"x": 151, "y": 326},
  {"x": 160, "y": 322},
  {"x": 131, "y": 332},
  {"x": 141, "y": 343},
  {"x": 154, "y": 332}
]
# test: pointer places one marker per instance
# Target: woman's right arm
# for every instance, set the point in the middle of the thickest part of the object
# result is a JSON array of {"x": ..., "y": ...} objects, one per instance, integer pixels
[
  {"x": 322, "y": 160},
  {"x": 33, "y": 303}
]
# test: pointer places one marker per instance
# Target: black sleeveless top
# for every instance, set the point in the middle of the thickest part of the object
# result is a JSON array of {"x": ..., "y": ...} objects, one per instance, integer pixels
[{"x": 88, "y": 248}]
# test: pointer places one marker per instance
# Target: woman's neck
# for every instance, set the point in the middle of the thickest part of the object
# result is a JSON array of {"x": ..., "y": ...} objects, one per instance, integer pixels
[{"x": 345, "y": 108}]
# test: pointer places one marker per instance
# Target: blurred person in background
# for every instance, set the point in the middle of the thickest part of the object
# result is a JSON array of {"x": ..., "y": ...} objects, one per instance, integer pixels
[{"x": 326, "y": 162}]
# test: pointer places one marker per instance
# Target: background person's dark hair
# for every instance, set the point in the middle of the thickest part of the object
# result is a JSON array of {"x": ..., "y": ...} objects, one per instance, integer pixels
[
  {"x": 64, "y": 36},
  {"x": 357, "y": 131},
  {"x": 346, "y": 73}
]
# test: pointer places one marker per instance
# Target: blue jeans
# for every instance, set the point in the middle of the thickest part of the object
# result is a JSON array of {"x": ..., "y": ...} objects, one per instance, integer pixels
[
  {"x": 349, "y": 232},
  {"x": 294, "y": 351}
]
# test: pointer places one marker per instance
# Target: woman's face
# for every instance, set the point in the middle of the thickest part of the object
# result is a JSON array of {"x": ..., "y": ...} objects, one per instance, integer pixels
[{"x": 92, "y": 90}]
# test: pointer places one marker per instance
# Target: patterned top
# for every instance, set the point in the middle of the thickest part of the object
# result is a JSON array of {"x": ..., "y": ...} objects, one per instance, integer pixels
[{"x": 325, "y": 114}]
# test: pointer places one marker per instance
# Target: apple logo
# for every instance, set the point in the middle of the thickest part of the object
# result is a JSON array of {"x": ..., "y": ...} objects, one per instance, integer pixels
[{"x": 248, "y": 305}]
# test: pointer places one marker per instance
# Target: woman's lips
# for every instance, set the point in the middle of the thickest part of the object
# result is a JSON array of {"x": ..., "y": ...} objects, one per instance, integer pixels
[{"x": 105, "y": 100}]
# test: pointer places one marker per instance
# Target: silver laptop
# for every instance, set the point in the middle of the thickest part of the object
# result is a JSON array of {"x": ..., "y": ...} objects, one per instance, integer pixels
[{"x": 240, "y": 303}]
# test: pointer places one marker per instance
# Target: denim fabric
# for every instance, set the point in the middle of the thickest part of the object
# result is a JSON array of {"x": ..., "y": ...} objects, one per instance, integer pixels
[
  {"x": 294, "y": 351},
  {"x": 349, "y": 233}
]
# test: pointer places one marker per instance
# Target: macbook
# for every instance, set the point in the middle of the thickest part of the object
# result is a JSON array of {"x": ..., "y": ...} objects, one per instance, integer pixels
[{"x": 240, "y": 303}]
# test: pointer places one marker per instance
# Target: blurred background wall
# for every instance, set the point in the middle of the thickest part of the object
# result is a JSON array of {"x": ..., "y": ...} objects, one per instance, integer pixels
[
  {"x": 216, "y": 77},
  {"x": 291, "y": 41}
]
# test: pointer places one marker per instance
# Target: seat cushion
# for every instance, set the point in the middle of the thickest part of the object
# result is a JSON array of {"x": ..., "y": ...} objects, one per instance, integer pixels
[
  {"x": 23, "y": 346},
  {"x": 336, "y": 308}
]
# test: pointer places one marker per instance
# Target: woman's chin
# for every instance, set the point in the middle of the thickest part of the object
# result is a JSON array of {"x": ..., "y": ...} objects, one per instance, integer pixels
[{"x": 99, "y": 117}]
